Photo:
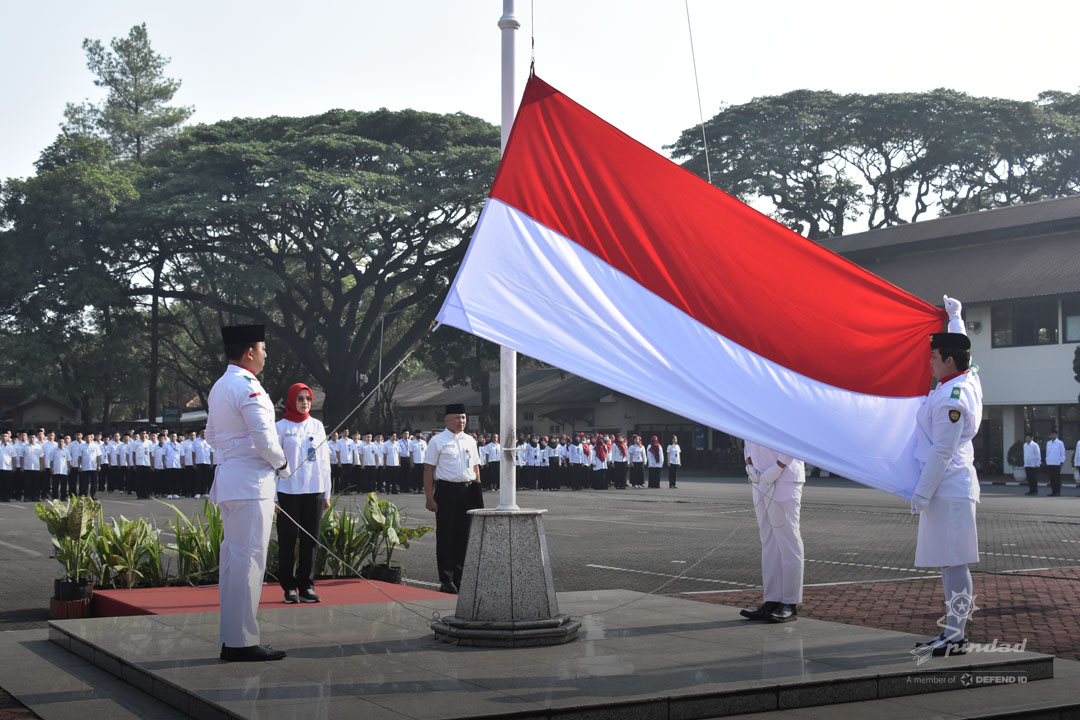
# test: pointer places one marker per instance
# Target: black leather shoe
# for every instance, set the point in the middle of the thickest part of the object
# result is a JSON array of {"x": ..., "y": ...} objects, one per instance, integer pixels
[
  {"x": 253, "y": 653},
  {"x": 448, "y": 588},
  {"x": 953, "y": 647},
  {"x": 291, "y": 598},
  {"x": 783, "y": 613},
  {"x": 308, "y": 596},
  {"x": 761, "y": 612}
]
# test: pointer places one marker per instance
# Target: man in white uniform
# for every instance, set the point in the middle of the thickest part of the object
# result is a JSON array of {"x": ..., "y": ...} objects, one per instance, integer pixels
[
  {"x": 240, "y": 428},
  {"x": 1032, "y": 461},
  {"x": 778, "y": 481},
  {"x": 1055, "y": 458},
  {"x": 948, "y": 487},
  {"x": 452, "y": 487}
]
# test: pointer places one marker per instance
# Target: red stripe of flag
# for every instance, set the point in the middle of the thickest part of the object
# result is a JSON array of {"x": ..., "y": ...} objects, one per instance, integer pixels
[{"x": 718, "y": 260}]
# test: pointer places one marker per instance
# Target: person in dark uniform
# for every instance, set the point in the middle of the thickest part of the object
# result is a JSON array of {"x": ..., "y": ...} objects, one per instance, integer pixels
[{"x": 452, "y": 488}]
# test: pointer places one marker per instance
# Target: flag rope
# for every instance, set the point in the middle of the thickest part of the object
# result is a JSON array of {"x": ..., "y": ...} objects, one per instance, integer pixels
[{"x": 697, "y": 86}]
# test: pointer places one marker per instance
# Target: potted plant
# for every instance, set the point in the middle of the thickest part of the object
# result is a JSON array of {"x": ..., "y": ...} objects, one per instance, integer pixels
[
  {"x": 71, "y": 525},
  {"x": 386, "y": 533},
  {"x": 1015, "y": 458}
]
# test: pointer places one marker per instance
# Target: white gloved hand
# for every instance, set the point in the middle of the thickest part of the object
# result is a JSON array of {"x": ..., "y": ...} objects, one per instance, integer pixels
[
  {"x": 283, "y": 472},
  {"x": 919, "y": 503},
  {"x": 768, "y": 477},
  {"x": 753, "y": 474},
  {"x": 952, "y": 307}
]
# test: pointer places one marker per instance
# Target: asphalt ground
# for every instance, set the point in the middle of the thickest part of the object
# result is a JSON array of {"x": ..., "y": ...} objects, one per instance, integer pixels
[{"x": 699, "y": 538}]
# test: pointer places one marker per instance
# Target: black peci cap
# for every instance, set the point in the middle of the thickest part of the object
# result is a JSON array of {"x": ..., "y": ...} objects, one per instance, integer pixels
[
  {"x": 949, "y": 341},
  {"x": 240, "y": 334},
  {"x": 455, "y": 409}
]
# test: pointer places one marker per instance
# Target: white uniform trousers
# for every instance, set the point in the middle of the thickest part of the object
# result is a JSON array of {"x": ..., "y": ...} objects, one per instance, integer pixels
[
  {"x": 781, "y": 546},
  {"x": 247, "y": 526}
]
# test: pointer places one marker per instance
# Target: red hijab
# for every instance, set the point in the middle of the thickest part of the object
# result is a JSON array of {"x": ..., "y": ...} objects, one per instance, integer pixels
[
  {"x": 291, "y": 413},
  {"x": 655, "y": 449}
]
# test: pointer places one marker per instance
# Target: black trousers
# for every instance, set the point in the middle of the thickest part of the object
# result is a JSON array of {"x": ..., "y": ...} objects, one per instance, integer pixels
[
  {"x": 297, "y": 571},
  {"x": 577, "y": 476},
  {"x": 654, "y": 477},
  {"x": 452, "y": 522},
  {"x": 618, "y": 474},
  {"x": 672, "y": 471},
  {"x": 88, "y": 481},
  {"x": 205, "y": 474},
  {"x": 637, "y": 474},
  {"x": 1054, "y": 471},
  {"x": 142, "y": 481},
  {"x": 60, "y": 487},
  {"x": 5, "y": 485},
  {"x": 1032, "y": 479},
  {"x": 368, "y": 478},
  {"x": 494, "y": 472},
  {"x": 335, "y": 478}
]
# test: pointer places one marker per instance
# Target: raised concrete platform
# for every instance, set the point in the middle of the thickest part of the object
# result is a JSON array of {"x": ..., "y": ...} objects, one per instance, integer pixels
[{"x": 636, "y": 657}]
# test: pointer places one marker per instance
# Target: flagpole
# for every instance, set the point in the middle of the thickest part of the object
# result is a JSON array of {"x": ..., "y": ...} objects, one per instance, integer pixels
[
  {"x": 508, "y": 25},
  {"x": 506, "y": 597}
]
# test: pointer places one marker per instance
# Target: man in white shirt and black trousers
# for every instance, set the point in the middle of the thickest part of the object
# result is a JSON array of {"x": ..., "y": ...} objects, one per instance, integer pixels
[
  {"x": 452, "y": 487},
  {"x": 240, "y": 428}
]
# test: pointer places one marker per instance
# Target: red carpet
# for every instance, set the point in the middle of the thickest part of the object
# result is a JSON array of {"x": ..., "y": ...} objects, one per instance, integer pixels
[{"x": 169, "y": 600}]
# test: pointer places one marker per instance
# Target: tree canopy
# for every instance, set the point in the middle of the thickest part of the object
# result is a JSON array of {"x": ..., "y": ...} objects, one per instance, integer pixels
[{"x": 823, "y": 160}]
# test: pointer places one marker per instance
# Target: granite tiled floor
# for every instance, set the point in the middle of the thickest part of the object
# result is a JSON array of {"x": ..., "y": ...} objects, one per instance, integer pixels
[{"x": 381, "y": 660}]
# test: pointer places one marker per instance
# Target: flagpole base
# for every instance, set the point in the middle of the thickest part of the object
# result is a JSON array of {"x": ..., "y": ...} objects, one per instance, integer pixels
[{"x": 507, "y": 597}]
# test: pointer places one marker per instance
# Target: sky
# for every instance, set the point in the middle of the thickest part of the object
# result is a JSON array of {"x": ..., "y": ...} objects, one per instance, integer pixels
[{"x": 629, "y": 62}]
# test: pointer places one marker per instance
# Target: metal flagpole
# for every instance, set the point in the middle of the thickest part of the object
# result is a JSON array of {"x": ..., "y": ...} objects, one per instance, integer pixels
[
  {"x": 506, "y": 596},
  {"x": 508, "y": 25}
]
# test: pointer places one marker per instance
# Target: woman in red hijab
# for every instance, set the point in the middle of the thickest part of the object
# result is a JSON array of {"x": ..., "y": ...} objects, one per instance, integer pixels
[
  {"x": 599, "y": 464},
  {"x": 304, "y": 494},
  {"x": 655, "y": 460}
]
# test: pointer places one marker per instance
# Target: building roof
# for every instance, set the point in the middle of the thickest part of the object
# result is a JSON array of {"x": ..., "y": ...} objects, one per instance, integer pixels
[
  {"x": 1006, "y": 253},
  {"x": 542, "y": 386}
]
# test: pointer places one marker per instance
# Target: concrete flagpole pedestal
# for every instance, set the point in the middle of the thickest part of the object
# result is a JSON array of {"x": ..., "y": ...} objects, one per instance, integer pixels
[{"x": 507, "y": 598}]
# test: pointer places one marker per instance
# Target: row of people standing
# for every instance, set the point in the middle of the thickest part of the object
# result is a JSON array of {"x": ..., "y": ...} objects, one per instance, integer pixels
[
  {"x": 363, "y": 463},
  {"x": 40, "y": 466},
  {"x": 595, "y": 462}
]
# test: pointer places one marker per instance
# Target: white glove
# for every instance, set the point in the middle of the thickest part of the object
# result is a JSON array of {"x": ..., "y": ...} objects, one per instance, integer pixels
[
  {"x": 952, "y": 307},
  {"x": 753, "y": 474},
  {"x": 919, "y": 503},
  {"x": 283, "y": 473},
  {"x": 768, "y": 477}
]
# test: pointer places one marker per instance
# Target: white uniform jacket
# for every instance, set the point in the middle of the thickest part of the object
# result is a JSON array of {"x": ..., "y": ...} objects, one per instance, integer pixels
[
  {"x": 945, "y": 424},
  {"x": 788, "y": 485},
  {"x": 240, "y": 427}
]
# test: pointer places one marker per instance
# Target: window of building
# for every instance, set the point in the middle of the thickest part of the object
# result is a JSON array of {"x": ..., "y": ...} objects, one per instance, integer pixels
[
  {"x": 1031, "y": 322},
  {"x": 1070, "y": 318}
]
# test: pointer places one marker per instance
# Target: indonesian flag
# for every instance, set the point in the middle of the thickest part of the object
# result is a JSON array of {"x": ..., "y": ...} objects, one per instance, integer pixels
[{"x": 599, "y": 256}]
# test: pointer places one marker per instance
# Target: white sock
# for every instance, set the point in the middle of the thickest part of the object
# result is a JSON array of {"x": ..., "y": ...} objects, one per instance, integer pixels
[{"x": 957, "y": 581}]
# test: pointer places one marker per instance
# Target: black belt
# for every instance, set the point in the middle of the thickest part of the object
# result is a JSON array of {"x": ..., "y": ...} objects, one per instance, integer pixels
[{"x": 462, "y": 483}]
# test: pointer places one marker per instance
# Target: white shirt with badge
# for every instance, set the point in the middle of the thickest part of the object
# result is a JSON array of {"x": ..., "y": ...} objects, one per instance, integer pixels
[
  {"x": 305, "y": 447},
  {"x": 674, "y": 454},
  {"x": 453, "y": 456},
  {"x": 947, "y": 421},
  {"x": 391, "y": 458},
  {"x": 417, "y": 450}
]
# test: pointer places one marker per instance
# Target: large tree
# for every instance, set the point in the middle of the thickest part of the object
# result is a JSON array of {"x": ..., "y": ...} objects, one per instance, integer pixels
[
  {"x": 821, "y": 160},
  {"x": 323, "y": 228}
]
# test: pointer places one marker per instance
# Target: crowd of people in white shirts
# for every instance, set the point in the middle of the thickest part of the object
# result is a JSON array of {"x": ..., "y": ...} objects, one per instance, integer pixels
[
  {"x": 364, "y": 463},
  {"x": 40, "y": 466},
  {"x": 43, "y": 465}
]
